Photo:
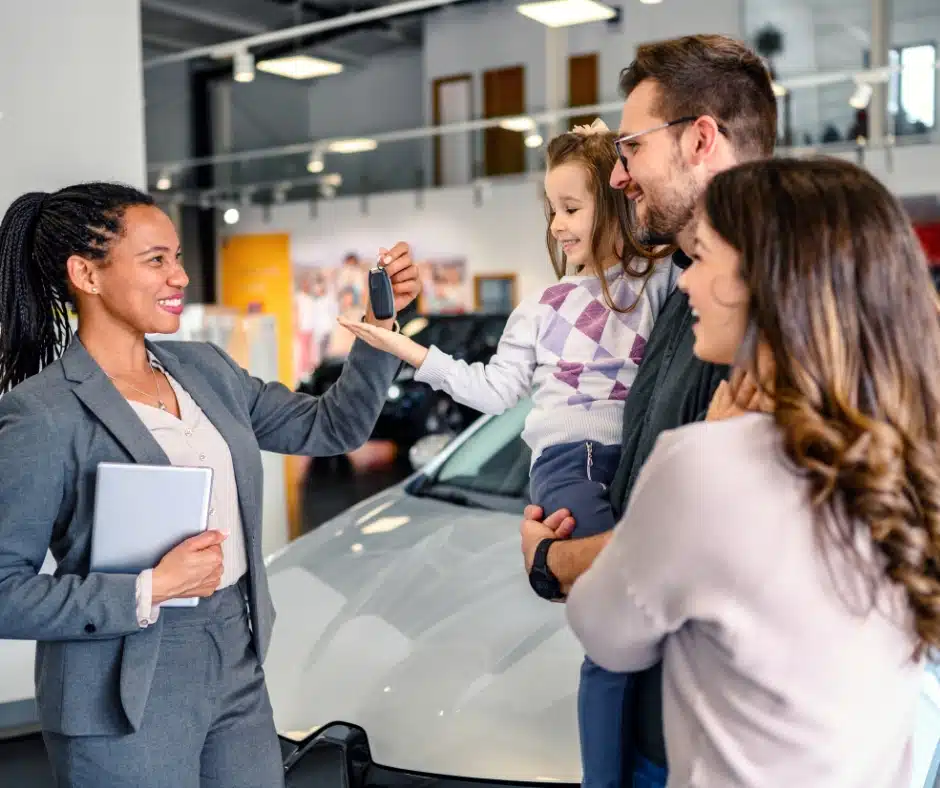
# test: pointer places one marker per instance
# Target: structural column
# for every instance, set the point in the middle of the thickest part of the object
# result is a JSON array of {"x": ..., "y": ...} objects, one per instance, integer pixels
[
  {"x": 880, "y": 46},
  {"x": 71, "y": 95},
  {"x": 556, "y": 76}
]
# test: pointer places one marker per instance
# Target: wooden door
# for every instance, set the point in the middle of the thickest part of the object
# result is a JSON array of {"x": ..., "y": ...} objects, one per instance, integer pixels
[
  {"x": 503, "y": 96},
  {"x": 582, "y": 86}
]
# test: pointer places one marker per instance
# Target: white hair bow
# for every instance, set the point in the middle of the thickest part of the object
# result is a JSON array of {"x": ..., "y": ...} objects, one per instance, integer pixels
[{"x": 597, "y": 127}]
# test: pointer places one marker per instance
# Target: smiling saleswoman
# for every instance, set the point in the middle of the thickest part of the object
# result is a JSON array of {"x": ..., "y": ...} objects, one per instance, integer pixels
[{"x": 129, "y": 694}]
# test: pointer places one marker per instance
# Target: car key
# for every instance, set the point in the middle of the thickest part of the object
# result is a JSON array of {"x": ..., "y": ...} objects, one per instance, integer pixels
[{"x": 381, "y": 296}]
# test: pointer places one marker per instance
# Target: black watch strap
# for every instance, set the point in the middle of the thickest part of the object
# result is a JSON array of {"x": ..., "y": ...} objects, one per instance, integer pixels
[{"x": 543, "y": 582}]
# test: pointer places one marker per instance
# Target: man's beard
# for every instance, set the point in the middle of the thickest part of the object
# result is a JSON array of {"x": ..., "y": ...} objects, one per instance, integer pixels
[
  {"x": 662, "y": 225},
  {"x": 667, "y": 216}
]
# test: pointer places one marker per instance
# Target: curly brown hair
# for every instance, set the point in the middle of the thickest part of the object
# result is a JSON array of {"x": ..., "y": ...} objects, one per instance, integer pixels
[
  {"x": 841, "y": 295},
  {"x": 613, "y": 216}
]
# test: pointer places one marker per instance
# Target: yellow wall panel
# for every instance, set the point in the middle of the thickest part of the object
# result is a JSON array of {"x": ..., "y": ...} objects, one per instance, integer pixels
[{"x": 256, "y": 275}]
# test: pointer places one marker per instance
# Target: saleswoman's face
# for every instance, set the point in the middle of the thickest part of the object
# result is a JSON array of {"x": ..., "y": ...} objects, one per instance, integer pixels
[
  {"x": 141, "y": 284},
  {"x": 717, "y": 295}
]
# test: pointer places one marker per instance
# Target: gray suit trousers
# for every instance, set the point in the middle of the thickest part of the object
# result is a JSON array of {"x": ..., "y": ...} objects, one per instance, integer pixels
[{"x": 208, "y": 721}]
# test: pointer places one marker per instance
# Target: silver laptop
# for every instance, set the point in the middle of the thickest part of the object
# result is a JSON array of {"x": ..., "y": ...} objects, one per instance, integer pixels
[{"x": 144, "y": 511}]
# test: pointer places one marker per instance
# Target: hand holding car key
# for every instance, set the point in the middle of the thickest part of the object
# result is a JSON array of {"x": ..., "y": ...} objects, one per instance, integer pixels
[
  {"x": 393, "y": 284},
  {"x": 381, "y": 296},
  {"x": 393, "y": 281}
]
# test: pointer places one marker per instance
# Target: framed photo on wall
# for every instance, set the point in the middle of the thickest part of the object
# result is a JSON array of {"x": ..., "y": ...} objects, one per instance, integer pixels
[{"x": 494, "y": 293}]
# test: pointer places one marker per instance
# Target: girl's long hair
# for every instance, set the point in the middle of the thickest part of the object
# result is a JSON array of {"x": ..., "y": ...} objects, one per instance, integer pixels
[{"x": 613, "y": 212}]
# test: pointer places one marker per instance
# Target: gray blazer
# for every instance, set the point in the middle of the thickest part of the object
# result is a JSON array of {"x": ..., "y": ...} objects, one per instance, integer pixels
[{"x": 94, "y": 665}]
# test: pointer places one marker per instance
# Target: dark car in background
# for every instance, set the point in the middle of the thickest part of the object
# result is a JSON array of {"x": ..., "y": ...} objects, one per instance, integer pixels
[{"x": 414, "y": 409}]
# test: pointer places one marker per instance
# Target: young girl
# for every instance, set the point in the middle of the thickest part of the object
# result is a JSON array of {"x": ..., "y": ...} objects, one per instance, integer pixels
[{"x": 575, "y": 347}]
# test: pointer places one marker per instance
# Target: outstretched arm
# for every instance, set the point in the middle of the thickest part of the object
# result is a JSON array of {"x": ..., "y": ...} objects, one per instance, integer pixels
[
  {"x": 391, "y": 342},
  {"x": 493, "y": 387},
  {"x": 288, "y": 422}
]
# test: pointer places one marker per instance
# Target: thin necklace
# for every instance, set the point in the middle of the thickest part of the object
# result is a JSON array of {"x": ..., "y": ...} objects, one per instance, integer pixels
[{"x": 156, "y": 383}]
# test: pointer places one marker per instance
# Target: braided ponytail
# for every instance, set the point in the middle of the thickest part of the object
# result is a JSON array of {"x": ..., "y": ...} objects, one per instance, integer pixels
[{"x": 38, "y": 234}]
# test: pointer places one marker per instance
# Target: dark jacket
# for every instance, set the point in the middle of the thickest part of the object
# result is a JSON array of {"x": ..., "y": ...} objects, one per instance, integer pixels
[{"x": 672, "y": 388}]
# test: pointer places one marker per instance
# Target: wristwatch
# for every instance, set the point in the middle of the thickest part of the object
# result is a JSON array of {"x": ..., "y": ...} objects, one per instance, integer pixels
[{"x": 543, "y": 582}]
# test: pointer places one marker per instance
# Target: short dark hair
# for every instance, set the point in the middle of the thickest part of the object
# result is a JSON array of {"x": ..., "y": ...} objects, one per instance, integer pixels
[{"x": 711, "y": 75}]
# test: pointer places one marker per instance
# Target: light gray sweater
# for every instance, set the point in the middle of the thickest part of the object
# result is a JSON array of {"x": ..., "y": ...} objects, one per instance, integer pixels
[
  {"x": 567, "y": 348},
  {"x": 775, "y": 671}
]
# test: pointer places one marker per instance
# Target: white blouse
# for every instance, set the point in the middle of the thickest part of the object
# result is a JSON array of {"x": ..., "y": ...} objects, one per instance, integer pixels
[{"x": 192, "y": 440}]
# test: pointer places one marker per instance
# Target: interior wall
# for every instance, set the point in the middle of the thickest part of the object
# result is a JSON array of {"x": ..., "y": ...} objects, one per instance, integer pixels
[
  {"x": 167, "y": 112},
  {"x": 505, "y": 233},
  {"x": 796, "y": 23},
  {"x": 383, "y": 94},
  {"x": 66, "y": 115}
]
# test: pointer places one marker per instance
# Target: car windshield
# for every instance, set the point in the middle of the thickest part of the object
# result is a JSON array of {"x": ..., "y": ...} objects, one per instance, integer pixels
[{"x": 491, "y": 468}]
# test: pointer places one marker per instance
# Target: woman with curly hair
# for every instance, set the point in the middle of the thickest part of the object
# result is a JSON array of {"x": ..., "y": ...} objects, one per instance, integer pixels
[{"x": 784, "y": 563}]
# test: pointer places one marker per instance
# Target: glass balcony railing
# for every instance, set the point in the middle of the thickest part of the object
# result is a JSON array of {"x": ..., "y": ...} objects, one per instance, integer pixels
[{"x": 823, "y": 111}]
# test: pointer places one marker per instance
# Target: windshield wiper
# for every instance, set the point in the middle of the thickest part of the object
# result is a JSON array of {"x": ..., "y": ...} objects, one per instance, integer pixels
[{"x": 451, "y": 496}]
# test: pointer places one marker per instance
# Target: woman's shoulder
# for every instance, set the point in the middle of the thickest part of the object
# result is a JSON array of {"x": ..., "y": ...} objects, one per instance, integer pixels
[
  {"x": 715, "y": 484},
  {"x": 44, "y": 392},
  {"x": 712, "y": 459},
  {"x": 191, "y": 352},
  {"x": 41, "y": 407},
  {"x": 737, "y": 437}
]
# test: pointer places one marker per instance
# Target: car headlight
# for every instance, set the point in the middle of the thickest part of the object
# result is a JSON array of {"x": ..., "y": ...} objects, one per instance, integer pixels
[{"x": 394, "y": 392}]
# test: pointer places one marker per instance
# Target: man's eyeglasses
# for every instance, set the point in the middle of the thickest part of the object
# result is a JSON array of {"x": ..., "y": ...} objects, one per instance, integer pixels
[{"x": 622, "y": 143}]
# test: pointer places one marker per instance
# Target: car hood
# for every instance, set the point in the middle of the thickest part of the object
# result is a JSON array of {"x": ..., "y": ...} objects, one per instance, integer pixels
[{"x": 413, "y": 619}]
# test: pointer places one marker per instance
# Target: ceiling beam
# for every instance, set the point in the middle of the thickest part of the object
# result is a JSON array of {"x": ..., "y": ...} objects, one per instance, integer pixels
[
  {"x": 337, "y": 52},
  {"x": 166, "y": 42},
  {"x": 244, "y": 27},
  {"x": 323, "y": 29}
]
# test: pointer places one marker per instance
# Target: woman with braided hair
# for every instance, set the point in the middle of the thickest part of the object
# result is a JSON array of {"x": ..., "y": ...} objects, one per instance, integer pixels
[{"x": 130, "y": 694}]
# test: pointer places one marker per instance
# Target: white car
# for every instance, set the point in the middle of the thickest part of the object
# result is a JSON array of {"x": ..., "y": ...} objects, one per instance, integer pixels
[{"x": 409, "y": 648}]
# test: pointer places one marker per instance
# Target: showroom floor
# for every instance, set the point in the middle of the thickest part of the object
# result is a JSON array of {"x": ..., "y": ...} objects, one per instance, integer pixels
[{"x": 331, "y": 487}]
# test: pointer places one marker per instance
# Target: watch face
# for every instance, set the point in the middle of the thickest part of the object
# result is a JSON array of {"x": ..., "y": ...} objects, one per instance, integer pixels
[{"x": 543, "y": 584}]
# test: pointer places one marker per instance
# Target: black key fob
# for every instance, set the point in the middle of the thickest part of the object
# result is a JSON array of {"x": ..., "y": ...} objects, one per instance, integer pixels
[{"x": 381, "y": 296}]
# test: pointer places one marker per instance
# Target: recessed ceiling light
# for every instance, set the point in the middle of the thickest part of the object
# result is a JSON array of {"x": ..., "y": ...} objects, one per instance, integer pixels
[
  {"x": 352, "y": 146},
  {"x": 562, "y": 13},
  {"x": 300, "y": 67}
]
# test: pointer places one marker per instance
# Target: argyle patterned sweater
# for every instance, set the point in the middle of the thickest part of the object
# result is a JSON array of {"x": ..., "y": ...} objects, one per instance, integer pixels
[{"x": 576, "y": 357}]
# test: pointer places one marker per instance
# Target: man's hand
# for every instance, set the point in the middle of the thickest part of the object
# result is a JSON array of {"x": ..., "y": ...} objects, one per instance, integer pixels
[
  {"x": 403, "y": 272},
  {"x": 738, "y": 396},
  {"x": 559, "y": 526}
]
